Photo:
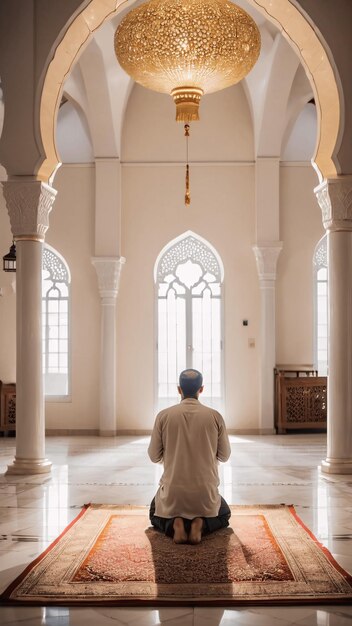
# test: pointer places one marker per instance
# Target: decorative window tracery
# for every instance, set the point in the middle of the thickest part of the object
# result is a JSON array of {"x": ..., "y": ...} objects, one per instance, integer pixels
[
  {"x": 191, "y": 249},
  {"x": 55, "y": 323},
  {"x": 320, "y": 265},
  {"x": 188, "y": 276}
]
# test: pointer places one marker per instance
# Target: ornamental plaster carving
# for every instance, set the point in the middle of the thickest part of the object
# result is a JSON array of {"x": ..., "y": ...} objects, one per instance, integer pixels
[
  {"x": 108, "y": 271},
  {"x": 28, "y": 203},
  {"x": 266, "y": 255},
  {"x": 188, "y": 248},
  {"x": 335, "y": 200},
  {"x": 320, "y": 258}
]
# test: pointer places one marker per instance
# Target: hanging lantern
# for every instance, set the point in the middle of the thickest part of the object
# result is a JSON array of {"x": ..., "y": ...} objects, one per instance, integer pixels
[
  {"x": 187, "y": 48},
  {"x": 9, "y": 260}
]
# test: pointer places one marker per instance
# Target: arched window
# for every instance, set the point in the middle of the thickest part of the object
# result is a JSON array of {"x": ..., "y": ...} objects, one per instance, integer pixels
[
  {"x": 55, "y": 310},
  {"x": 320, "y": 265},
  {"x": 188, "y": 277}
]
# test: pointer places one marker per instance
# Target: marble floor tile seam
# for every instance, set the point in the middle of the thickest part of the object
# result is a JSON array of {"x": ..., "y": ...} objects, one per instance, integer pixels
[
  {"x": 115, "y": 499},
  {"x": 238, "y": 473},
  {"x": 121, "y": 456},
  {"x": 311, "y": 468},
  {"x": 120, "y": 617},
  {"x": 16, "y": 488},
  {"x": 18, "y": 536},
  {"x": 14, "y": 537},
  {"x": 326, "y": 539},
  {"x": 48, "y": 534},
  {"x": 154, "y": 483},
  {"x": 55, "y": 508},
  {"x": 237, "y": 476},
  {"x": 234, "y": 499}
]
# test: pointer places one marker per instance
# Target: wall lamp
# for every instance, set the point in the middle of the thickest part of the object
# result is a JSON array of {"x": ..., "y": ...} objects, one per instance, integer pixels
[{"x": 9, "y": 260}]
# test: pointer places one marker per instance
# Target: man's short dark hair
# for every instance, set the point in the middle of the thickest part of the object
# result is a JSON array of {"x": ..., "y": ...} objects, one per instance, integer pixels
[{"x": 190, "y": 382}]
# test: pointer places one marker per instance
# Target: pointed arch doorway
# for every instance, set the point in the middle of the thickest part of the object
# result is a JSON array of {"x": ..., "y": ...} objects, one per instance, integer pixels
[{"x": 189, "y": 276}]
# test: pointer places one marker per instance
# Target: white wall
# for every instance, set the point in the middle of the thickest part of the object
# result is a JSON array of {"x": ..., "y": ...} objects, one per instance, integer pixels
[
  {"x": 301, "y": 142},
  {"x": 301, "y": 228},
  {"x": 223, "y": 133},
  {"x": 222, "y": 213},
  {"x": 153, "y": 213},
  {"x": 71, "y": 232},
  {"x": 73, "y": 140}
]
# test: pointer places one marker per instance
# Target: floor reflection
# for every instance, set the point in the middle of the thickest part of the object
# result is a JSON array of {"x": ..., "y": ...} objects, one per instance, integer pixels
[
  {"x": 55, "y": 504},
  {"x": 270, "y": 469}
]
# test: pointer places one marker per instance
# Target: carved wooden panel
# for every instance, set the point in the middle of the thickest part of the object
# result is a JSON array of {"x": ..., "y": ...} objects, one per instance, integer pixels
[
  {"x": 7, "y": 406},
  {"x": 300, "y": 402}
]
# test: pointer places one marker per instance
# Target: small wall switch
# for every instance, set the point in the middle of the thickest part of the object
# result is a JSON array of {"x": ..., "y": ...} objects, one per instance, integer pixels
[
  {"x": 1, "y": 291},
  {"x": 251, "y": 342},
  {"x": 244, "y": 322}
]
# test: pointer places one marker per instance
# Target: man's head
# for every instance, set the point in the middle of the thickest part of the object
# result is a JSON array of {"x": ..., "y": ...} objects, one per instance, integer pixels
[{"x": 190, "y": 384}]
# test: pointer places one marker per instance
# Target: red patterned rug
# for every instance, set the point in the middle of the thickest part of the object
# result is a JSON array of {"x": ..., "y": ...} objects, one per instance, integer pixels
[{"x": 111, "y": 555}]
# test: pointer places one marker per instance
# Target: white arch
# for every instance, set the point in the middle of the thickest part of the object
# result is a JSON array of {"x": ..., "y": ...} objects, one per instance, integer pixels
[{"x": 292, "y": 21}]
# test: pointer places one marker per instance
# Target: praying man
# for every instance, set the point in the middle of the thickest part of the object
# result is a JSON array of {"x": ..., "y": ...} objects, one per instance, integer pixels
[{"x": 189, "y": 439}]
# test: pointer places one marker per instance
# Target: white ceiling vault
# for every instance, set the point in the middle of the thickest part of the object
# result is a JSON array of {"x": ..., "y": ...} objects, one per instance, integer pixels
[{"x": 278, "y": 92}]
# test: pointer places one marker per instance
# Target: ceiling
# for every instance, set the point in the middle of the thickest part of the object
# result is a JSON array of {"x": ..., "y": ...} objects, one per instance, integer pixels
[{"x": 277, "y": 89}]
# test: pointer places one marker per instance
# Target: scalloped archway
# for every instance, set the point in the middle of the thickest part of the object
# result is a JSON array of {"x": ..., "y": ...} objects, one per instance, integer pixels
[{"x": 295, "y": 27}]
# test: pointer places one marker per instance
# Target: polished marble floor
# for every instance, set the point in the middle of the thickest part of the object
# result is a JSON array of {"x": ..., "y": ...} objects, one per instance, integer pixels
[{"x": 272, "y": 469}]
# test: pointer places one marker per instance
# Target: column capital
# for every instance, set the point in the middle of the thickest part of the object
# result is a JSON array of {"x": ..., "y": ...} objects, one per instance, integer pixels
[
  {"x": 29, "y": 203},
  {"x": 108, "y": 271},
  {"x": 334, "y": 196},
  {"x": 266, "y": 255}
]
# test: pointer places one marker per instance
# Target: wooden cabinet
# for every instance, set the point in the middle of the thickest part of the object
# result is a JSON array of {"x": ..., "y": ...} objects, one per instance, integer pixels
[
  {"x": 300, "y": 398},
  {"x": 7, "y": 407}
]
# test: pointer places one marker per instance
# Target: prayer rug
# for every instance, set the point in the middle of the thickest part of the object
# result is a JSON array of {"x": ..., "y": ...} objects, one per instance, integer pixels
[{"x": 110, "y": 555}]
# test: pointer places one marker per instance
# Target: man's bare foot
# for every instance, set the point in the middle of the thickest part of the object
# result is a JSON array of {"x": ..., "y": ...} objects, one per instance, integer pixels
[
  {"x": 180, "y": 535},
  {"x": 195, "y": 535}
]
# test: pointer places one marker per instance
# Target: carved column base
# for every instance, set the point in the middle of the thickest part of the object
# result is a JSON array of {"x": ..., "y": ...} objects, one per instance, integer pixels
[
  {"x": 336, "y": 466},
  {"x": 29, "y": 466}
]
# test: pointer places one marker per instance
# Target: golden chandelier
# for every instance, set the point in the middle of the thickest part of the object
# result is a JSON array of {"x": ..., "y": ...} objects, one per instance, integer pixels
[{"x": 187, "y": 48}]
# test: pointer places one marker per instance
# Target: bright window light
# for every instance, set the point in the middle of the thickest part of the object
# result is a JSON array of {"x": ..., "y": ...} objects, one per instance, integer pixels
[
  {"x": 188, "y": 278},
  {"x": 320, "y": 265},
  {"x": 55, "y": 311}
]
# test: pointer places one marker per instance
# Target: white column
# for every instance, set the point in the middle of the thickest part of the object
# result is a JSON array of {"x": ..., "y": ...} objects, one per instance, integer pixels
[
  {"x": 108, "y": 272},
  {"x": 29, "y": 203},
  {"x": 267, "y": 254},
  {"x": 335, "y": 199}
]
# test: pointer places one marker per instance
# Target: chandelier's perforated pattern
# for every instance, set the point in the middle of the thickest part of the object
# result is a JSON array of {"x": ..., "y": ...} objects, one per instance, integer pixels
[
  {"x": 56, "y": 268},
  {"x": 188, "y": 248},
  {"x": 207, "y": 44}
]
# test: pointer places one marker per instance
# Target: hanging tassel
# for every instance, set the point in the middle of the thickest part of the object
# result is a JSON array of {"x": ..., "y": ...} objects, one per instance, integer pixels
[{"x": 187, "y": 194}]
